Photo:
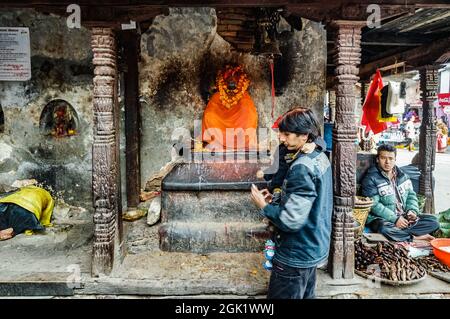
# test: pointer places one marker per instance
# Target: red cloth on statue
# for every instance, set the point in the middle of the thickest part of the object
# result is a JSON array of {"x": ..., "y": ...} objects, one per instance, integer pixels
[{"x": 217, "y": 118}]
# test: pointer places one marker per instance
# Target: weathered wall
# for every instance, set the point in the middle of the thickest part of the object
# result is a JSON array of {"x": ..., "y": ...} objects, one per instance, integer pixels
[
  {"x": 61, "y": 69},
  {"x": 180, "y": 56}
]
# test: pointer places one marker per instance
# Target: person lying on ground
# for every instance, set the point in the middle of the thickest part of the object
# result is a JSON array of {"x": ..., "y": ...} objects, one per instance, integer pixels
[{"x": 26, "y": 210}]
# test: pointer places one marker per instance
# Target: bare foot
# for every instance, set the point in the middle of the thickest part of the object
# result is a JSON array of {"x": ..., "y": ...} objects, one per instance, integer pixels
[
  {"x": 426, "y": 237},
  {"x": 6, "y": 233}
]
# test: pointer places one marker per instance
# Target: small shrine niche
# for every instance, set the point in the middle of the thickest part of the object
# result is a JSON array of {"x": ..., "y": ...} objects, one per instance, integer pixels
[{"x": 59, "y": 119}]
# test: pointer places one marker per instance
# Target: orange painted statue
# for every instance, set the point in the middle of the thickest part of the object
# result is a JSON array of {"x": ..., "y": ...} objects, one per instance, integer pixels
[{"x": 230, "y": 118}]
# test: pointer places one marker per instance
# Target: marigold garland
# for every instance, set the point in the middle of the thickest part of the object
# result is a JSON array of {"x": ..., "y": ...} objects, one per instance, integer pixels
[{"x": 228, "y": 97}]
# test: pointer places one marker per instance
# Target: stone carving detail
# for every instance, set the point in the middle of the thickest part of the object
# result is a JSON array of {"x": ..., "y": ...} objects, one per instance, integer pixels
[
  {"x": 346, "y": 59},
  {"x": 104, "y": 151},
  {"x": 427, "y": 151}
]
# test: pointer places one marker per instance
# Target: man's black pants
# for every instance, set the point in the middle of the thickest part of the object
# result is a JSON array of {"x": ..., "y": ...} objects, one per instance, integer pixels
[
  {"x": 17, "y": 218},
  {"x": 291, "y": 283},
  {"x": 425, "y": 225}
]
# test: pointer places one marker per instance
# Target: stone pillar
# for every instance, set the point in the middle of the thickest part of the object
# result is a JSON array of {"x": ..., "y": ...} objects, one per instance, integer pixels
[
  {"x": 427, "y": 141},
  {"x": 105, "y": 160},
  {"x": 346, "y": 59}
]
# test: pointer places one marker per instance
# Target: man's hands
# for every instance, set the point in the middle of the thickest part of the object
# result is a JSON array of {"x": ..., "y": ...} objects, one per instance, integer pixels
[
  {"x": 401, "y": 222},
  {"x": 260, "y": 198},
  {"x": 411, "y": 216}
]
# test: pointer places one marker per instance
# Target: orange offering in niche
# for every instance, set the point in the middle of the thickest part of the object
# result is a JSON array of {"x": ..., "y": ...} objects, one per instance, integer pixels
[{"x": 230, "y": 118}]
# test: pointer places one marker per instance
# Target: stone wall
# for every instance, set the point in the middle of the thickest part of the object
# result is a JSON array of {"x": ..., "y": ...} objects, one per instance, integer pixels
[
  {"x": 61, "y": 69},
  {"x": 180, "y": 56}
]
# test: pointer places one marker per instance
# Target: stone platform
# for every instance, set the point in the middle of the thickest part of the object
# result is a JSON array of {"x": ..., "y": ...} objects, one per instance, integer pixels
[
  {"x": 206, "y": 207},
  {"x": 148, "y": 272}
]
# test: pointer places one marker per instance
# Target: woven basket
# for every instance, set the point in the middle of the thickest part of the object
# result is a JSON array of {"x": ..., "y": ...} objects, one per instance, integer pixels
[{"x": 360, "y": 214}]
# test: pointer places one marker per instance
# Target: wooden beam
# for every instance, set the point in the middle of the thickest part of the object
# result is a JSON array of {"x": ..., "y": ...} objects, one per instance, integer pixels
[
  {"x": 423, "y": 55},
  {"x": 401, "y": 44},
  {"x": 442, "y": 16},
  {"x": 130, "y": 44},
  {"x": 230, "y": 3},
  {"x": 106, "y": 16},
  {"x": 393, "y": 66},
  {"x": 400, "y": 38}
]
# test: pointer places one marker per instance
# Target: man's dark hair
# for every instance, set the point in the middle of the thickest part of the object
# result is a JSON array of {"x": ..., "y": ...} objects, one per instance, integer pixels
[
  {"x": 300, "y": 120},
  {"x": 386, "y": 148}
]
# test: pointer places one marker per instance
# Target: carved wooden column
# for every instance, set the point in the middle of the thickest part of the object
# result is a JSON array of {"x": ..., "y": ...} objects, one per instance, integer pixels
[
  {"x": 332, "y": 101},
  {"x": 364, "y": 89},
  {"x": 105, "y": 160},
  {"x": 427, "y": 141},
  {"x": 346, "y": 58}
]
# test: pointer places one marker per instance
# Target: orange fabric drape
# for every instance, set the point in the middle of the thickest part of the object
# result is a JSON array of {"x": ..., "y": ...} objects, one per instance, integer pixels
[{"x": 217, "y": 118}]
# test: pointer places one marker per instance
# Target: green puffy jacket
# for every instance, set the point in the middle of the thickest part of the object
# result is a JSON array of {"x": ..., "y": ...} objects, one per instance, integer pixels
[{"x": 377, "y": 186}]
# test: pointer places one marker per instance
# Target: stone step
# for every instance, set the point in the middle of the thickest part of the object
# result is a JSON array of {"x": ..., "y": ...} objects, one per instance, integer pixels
[
  {"x": 60, "y": 237},
  {"x": 14, "y": 283},
  {"x": 213, "y": 206},
  {"x": 207, "y": 237}
]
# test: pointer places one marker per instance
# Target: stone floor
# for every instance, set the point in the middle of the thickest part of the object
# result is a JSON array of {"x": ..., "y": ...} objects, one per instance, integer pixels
[{"x": 58, "y": 264}]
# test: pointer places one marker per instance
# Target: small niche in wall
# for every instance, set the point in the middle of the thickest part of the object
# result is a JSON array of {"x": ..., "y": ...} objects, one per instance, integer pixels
[{"x": 59, "y": 119}]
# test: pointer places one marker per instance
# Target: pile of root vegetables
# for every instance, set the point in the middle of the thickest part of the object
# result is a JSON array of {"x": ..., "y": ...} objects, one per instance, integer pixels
[
  {"x": 431, "y": 263},
  {"x": 387, "y": 262}
]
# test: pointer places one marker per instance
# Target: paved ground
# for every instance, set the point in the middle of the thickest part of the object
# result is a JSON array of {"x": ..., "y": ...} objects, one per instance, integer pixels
[
  {"x": 63, "y": 269},
  {"x": 58, "y": 263},
  {"x": 441, "y": 175}
]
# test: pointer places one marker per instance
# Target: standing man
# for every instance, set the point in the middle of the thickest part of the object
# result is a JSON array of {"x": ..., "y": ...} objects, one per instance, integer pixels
[
  {"x": 303, "y": 216},
  {"x": 395, "y": 207}
]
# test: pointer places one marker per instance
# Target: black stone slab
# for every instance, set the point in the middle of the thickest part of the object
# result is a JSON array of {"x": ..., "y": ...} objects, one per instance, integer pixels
[
  {"x": 213, "y": 176},
  {"x": 210, "y": 237},
  {"x": 214, "y": 206},
  {"x": 42, "y": 288}
]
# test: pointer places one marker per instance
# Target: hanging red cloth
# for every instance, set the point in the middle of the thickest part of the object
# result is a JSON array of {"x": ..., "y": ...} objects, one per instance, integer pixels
[{"x": 371, "y": 107}]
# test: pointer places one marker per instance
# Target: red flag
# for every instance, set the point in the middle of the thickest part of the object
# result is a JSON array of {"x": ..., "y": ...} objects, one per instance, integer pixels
[
  {"x": 277, "y": 121},
  {"x": 371, "y": 107}
]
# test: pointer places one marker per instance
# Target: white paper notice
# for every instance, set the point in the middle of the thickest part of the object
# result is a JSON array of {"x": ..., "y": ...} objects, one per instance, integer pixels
[{"x": 15, "y": 60}]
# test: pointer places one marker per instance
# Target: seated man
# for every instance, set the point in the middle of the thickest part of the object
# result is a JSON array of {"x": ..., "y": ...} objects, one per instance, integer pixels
[
  {"x": 25, "y": 210},
  {"x": 395, "y": 208}
]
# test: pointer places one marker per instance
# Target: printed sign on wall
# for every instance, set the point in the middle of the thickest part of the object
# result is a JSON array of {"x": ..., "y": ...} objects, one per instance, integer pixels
[{"x": 15, "y": 59}]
